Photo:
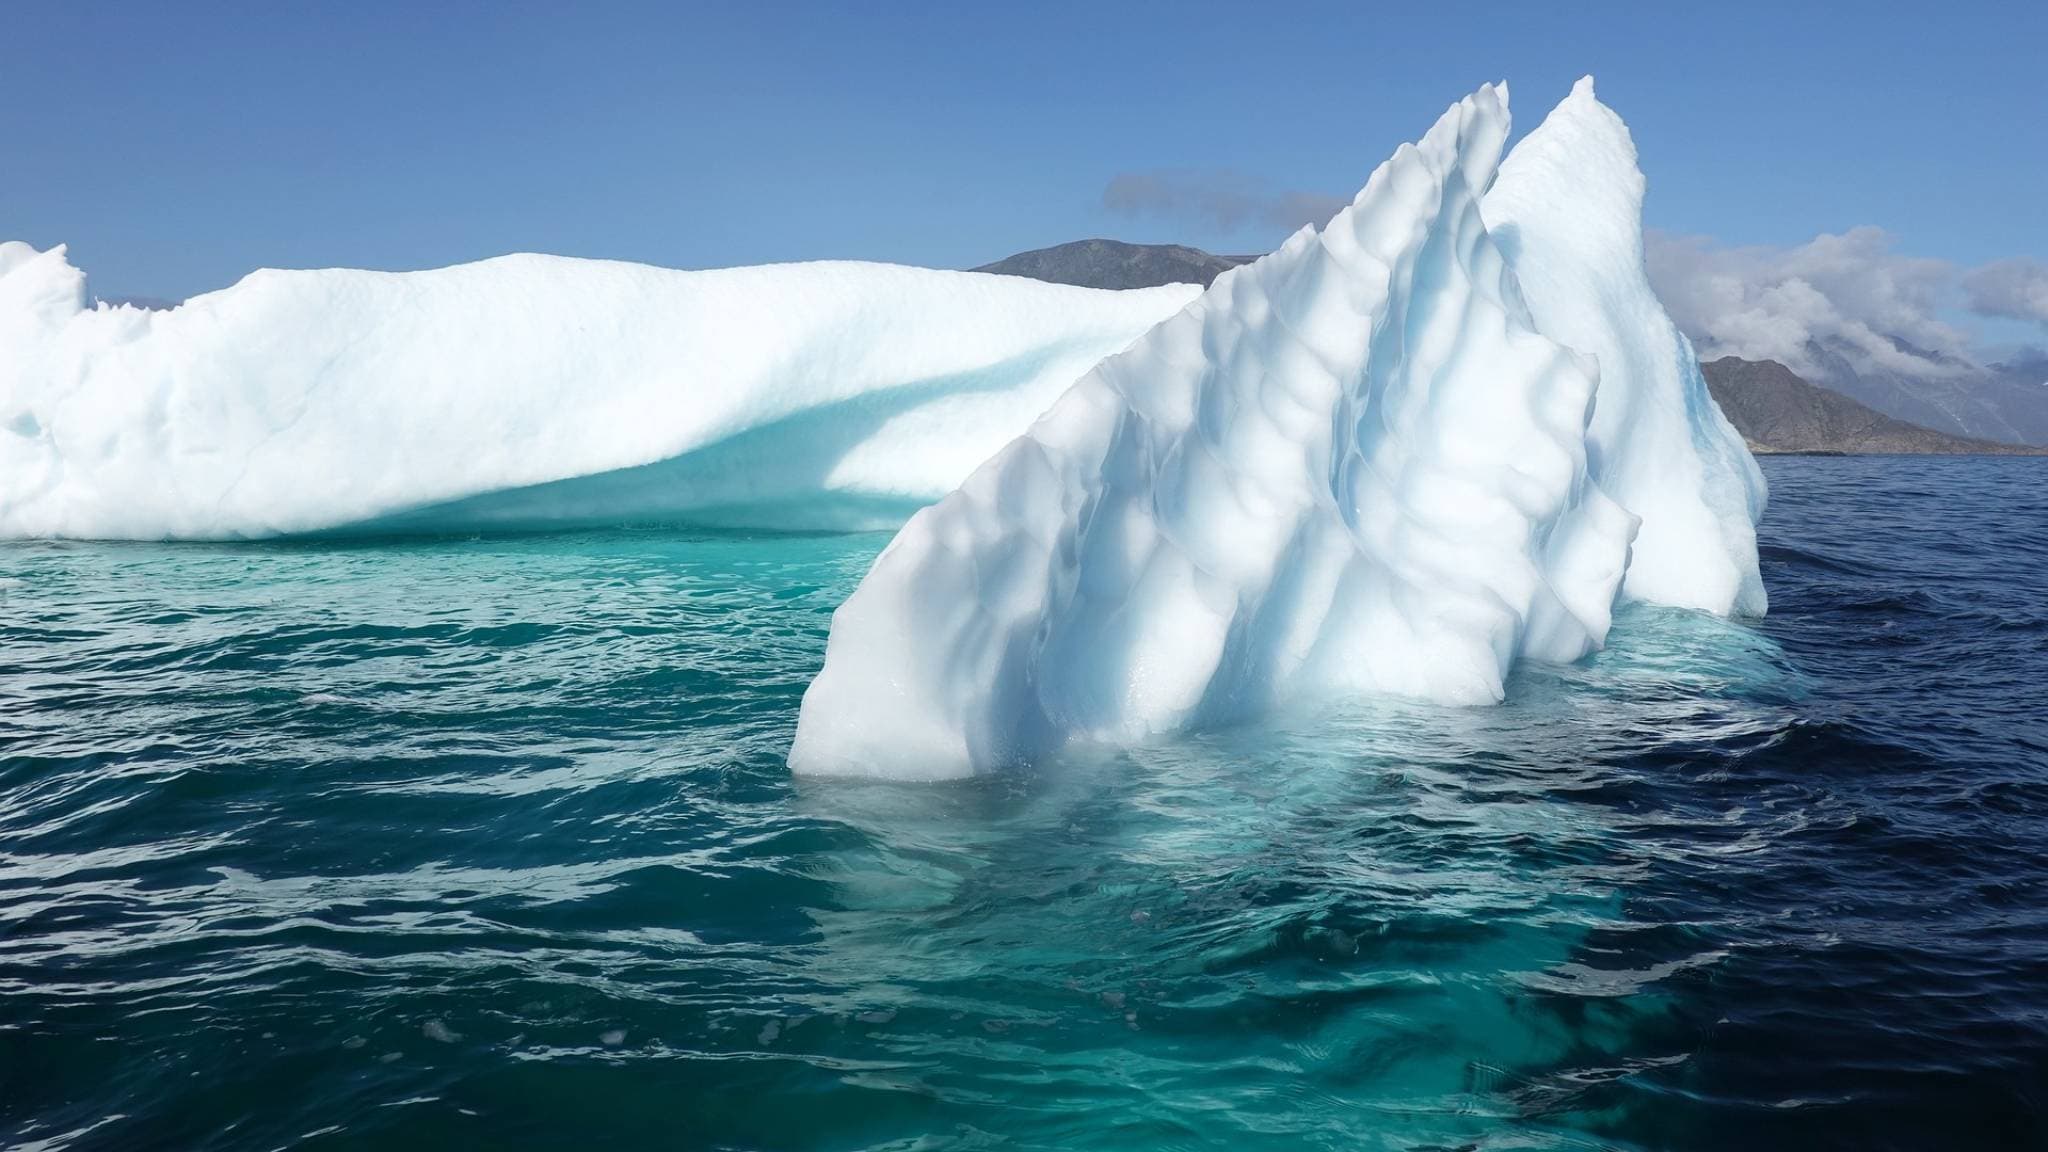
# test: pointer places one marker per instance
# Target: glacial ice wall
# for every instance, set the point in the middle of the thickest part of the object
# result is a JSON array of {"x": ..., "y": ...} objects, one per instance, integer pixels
[{"x": 526, "y": 391}]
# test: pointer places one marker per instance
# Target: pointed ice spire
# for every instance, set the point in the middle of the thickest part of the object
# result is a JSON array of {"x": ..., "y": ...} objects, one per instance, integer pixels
[
  {"x": 1567, "y": 208},
  {"x": 1352, "y": 466}
]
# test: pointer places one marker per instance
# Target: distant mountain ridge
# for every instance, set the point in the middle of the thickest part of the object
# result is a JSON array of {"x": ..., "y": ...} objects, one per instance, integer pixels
[
  {"x": 1775, "y": 409},
  {"x": 1115, "y": 264},
  {"x": 2004, "y": 401}
]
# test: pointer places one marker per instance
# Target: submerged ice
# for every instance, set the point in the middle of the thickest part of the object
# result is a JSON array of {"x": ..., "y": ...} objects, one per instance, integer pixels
[
  {"x": 525, "y": 390},
  {"x": 1395, "y": 456}
]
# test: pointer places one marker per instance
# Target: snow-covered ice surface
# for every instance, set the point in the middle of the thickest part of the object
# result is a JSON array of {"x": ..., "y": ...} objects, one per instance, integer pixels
[
  {"x": 526, "y": 391},
  {"x": 1377, "y": 460}
]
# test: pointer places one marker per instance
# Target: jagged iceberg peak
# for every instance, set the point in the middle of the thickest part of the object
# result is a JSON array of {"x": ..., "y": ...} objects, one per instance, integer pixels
[
  {"x": 1567, "y": 209},
  {"x": 526, "y": 391},
  {"x": 1354, "y": 466}
]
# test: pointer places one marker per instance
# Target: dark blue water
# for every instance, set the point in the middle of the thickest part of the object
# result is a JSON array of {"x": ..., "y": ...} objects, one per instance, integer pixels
[{"x": 488, "y": 843}]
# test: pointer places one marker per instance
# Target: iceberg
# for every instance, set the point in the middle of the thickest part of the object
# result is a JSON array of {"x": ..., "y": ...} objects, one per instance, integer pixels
[
  {"x": 1567, "y": 211},
  {"x": 526, "y": 391},
  {"x": 1393, "y": 457}
]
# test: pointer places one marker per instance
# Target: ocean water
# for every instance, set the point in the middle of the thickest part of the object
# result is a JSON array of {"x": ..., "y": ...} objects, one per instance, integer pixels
[{"x": 487, "y": 843}]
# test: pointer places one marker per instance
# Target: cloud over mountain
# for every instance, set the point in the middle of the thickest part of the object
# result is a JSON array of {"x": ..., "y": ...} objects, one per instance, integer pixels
[
  {"x": 1850, "y": 311},
  {"x": 2016, "y": 289},
  {"x": 1851, "y": 293}
]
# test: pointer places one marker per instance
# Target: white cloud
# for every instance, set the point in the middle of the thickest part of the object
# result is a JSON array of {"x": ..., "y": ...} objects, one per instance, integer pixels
[
  {"x": 2016, "y": 289},
  {"x": 1850, "y": 293}
]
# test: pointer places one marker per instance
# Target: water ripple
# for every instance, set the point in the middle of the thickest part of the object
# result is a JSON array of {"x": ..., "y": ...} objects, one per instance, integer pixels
[{"x": 487, "y": 842}]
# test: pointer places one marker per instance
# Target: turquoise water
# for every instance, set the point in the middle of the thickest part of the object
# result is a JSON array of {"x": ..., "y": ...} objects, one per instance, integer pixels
[{"x": 487, "y": 842}]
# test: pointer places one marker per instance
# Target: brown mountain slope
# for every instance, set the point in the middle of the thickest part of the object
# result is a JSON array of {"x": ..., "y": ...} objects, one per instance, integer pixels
[
  {"x": 1776, "y": 411},
  {"x": 1115, "y": 264}
]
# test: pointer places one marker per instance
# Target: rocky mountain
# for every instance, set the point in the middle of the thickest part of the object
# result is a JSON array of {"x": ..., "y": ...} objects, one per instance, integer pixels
[
  {"x": 1773, "y": 408},
  {"x": 2007, "y": 401},
  {"x": 1776, "y": 411},
  {"x": 1115, "y": 264}
]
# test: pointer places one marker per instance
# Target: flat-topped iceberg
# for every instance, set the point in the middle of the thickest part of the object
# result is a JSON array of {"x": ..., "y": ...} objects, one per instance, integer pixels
[
  {"x": 526, "y": 391},
  {"x": 1395, "y": 456}
]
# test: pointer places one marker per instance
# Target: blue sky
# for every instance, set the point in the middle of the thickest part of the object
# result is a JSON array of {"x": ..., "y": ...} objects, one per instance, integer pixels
[{"x": 176, "y": 147}]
